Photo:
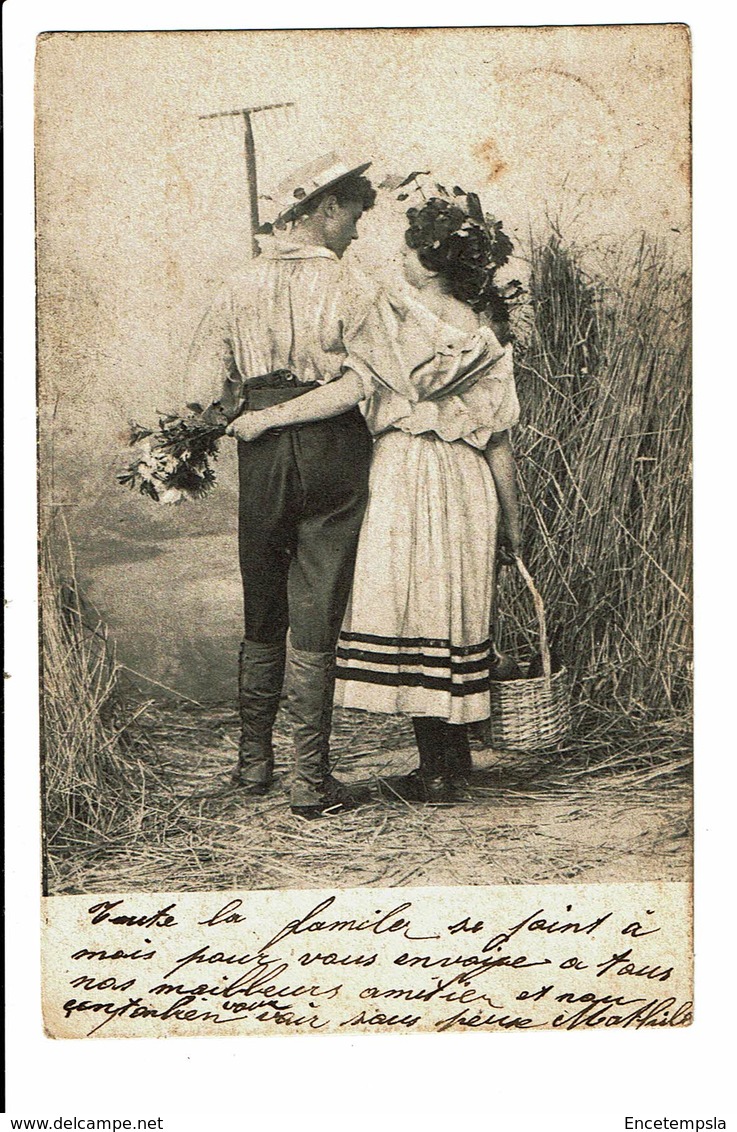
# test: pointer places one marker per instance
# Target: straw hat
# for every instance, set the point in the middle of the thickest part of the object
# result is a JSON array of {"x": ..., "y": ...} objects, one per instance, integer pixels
[{"x": 305, "y": 183}]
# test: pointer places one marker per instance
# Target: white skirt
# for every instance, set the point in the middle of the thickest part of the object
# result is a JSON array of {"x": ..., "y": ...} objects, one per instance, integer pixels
[{"x": 416, "y": 634}]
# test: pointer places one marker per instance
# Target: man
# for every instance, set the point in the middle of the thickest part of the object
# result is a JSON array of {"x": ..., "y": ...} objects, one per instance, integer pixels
[{"x": 277, "y": 329}]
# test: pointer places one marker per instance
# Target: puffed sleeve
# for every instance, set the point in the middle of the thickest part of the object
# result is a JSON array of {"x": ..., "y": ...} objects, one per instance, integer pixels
[
  {"x": 480, "y": 407},
  {"x": 380, "y": 351},
  {"x": 212, "y": 376},
  {"x": 421, "y": 375},
  {"x": 402, "y": 352}
]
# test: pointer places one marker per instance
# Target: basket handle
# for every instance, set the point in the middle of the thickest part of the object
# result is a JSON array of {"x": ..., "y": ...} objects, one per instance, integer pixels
[{"x": 540, "y": 612}]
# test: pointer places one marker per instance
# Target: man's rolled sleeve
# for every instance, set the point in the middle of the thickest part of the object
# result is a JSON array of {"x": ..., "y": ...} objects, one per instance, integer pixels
[{"x": 213, "y": 379}]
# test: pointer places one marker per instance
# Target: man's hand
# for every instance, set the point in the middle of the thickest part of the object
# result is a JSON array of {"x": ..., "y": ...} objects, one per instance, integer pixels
[{"x": 250, "y": 425}]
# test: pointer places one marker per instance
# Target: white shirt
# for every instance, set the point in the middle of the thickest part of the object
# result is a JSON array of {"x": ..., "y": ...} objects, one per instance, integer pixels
[
  {"x": 298, "y": 308},
  {"x": 292, "y": 308}
]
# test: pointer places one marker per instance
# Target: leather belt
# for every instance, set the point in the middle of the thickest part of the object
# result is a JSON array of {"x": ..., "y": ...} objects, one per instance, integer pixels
[{"x": 274, "y": 388}]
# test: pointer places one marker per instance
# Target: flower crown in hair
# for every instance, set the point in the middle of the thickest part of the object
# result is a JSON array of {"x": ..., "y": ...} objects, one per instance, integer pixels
[{"x": 452, "y": 229}]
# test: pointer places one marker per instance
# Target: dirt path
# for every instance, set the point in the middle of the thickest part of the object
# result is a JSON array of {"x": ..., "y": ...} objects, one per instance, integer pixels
[{"x": 529, "y": 819}]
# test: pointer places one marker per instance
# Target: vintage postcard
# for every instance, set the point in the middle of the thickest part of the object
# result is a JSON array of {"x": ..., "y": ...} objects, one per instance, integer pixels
[{"x": 364, "y": 403}]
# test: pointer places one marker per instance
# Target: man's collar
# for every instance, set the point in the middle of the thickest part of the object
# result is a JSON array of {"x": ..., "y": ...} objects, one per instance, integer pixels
[{"x": 274, "y": 247}]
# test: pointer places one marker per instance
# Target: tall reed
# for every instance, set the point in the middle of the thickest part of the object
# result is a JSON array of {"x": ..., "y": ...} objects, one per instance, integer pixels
[
  {"x": 604, "y": 467},
  {"x": 92, "y": 784}
]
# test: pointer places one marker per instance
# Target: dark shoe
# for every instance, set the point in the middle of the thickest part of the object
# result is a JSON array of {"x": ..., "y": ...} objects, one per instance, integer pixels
[
  {"x": 417, "y": 787},
  {"x": 336, "y": 792},
  {"x": 309, "y": 813},
  {"x": 440, "y": 789},
  {"x": 335, "y": 799},
  {"x": 250, "y": 789},
  {"x": 330, "y": 808},
  {"x": 440, "y": 745},
  {"x": 459, "y": 789},
  {"x": 457, "y": 781},
  {"x": 406, "y": 787}
]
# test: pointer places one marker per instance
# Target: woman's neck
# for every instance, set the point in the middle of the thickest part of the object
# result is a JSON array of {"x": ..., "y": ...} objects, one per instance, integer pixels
[{"x": 436, "y": 297}]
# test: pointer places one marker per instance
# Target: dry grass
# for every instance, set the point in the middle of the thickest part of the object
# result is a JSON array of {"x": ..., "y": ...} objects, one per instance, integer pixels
[
  {"x": 90, "y": 769},
  {"x": 603, "y": 456},
  {"x": 604, "y": 460},
  {"x": 527, "y": 819}
]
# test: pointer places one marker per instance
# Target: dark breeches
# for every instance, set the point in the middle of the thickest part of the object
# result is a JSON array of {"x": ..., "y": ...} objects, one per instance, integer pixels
[{"x": 303, "y": 491}]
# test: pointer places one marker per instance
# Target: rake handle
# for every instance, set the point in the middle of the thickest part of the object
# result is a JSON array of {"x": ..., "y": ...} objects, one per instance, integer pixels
[
  {"x": 252, "y": 184},
  {"x": 540, "y": 613}
]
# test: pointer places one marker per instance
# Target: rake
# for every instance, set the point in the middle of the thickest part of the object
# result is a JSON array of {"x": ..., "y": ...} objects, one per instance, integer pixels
[{"x": 249, "y": 146}]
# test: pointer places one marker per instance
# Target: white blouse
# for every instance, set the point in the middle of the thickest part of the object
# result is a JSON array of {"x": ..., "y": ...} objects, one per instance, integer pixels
[
  {"x": 298, "y": 308},
  {"x": 431, "y": 377}
]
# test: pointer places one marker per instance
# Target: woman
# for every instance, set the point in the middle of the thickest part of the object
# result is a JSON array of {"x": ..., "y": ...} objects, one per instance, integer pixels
[{"x": 441, "y": 399}]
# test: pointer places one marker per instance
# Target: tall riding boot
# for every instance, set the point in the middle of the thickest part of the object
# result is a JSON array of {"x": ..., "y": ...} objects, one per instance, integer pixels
[
  {"x": 260, "y": 680},
  {"x": 310, "y": 688}
]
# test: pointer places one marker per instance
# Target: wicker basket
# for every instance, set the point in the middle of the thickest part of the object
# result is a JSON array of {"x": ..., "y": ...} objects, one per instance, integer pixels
[{"x": 529, "y": 714}]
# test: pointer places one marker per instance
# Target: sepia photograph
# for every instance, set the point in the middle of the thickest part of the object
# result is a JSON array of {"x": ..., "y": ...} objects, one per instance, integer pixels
[
  {"x": 367, "y": 605},
  {"x": 364, "y": 458}
]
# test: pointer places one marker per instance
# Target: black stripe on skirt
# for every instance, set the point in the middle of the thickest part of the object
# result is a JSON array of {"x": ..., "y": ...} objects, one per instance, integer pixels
[
  {"x": 458, "y": 667},
  {"x": 412, "y": 680},
  {"x": 415, "y": 642}
]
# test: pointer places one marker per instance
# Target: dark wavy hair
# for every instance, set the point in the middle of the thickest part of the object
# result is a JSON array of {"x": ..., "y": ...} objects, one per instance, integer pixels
[{"x": 465, "y": 249}]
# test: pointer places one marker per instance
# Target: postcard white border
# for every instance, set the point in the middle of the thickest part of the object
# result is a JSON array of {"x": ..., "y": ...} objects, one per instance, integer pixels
[{"x": 541, "y": 1081}]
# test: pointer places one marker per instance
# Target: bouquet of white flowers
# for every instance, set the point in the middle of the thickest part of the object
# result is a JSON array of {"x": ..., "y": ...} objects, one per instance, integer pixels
[{"x": 174, "y": 461}]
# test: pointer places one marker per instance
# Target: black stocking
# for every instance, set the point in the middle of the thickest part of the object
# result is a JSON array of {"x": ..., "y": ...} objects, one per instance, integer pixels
[{"x": 444, "y": 748}]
